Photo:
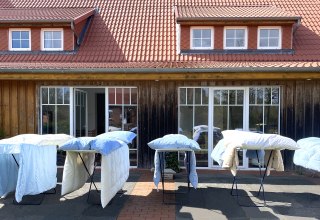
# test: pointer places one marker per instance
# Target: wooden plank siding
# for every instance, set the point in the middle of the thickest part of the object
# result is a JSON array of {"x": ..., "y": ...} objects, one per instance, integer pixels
[
  {"x": 158, "y": 107},
  {"x": 17, "y": 112}
]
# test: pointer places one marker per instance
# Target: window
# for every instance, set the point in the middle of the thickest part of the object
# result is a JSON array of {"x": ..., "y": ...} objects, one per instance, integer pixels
[
  {"x": 55, "y": 110},
  {"x": 19, "y": 39},
  {"x": 201, "y": 38},
  {"x": 235, "y": 38},
  {"x": 203, "y": 112},
  {"x": 269, "y": 38},
  {"x": 52, "y": 39}
]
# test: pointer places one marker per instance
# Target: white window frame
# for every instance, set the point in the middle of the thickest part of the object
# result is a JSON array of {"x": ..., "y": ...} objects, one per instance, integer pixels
[
  {"x": 10, "y": 39},
  {"x": 235, "y": 28},
  {"x": 201, "y": 28},
  {"x": 268, "y": 28},
  {"x": 42, "y": 39}
]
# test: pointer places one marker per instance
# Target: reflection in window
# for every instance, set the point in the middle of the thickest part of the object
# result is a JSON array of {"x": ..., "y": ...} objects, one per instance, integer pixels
[
  {"x": 123, "y": 115},
  {"x": 193, "y": 120},
  {"x": 264, "y": 109},
  {"x": 55, "y": 110}
]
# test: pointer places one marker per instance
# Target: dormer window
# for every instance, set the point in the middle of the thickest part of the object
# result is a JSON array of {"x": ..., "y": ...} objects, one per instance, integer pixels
[
  {"x": 201, "y": 38},
  {"x": 19, "y": 39},
  {"x": 269, "y": 38},
  {"x": 235, "y": 38},
  {"x": 52, "y": 39}
]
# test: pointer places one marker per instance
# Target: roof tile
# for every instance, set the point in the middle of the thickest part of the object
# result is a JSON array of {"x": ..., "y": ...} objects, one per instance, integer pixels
[{"x": 141, "y": 33}]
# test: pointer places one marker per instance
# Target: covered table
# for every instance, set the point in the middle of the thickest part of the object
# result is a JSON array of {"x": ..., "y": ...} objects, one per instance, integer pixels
[
  {"x": 28, "y": 164},
  {"x": 80, "y": 163},
  {"x": 263, "y": 147}
]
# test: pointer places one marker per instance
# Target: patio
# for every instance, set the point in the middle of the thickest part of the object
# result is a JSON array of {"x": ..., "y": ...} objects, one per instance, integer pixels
[{"x": 288, "y": 195}]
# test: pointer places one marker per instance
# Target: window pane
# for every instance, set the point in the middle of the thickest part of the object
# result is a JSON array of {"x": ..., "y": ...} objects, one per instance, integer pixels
[
  {"x": 48, "y": 126},
  {"x": 47, "y": 35},
  {"x": 134, "y": 96},
  {"x": 206, "y": 43},
  {"x": 189, "y": 96},
  {"x": 16, "y": 44},
  {"x": 196, "y": 42},
  {"x": 197, "y": 97},
  {"x": 186, "y": 123},
  {"x": 217, "y": 97},
  {"x": 52, "y": 93},
  {"x": 232, "y": 97},
  {"x": 267, "y": 96},
  {"x": 240, "y": 43},
  {"x": 59, "y": 95},
  {"x": 263, "y": 43},
  {"x": 206, "y": 33},
  {"x": 252, "y": 96},
  {"x": 259, "y": 96},
  {"x": 15, "y": 35},
  {"x": 271, "y": 119},
  {"x": 24, "y": 43},
  {"x": 47, "y": 44},
  {"x": 56, "y": 35},
  {"x": 205, "y": 95},
  {"x": 126, "y": 96},
  {"x": 112, "y": 96},
  {"x": 115, "y": 118},
  {"x": 44, "y": 93},
  {"x": 25, "y": 35},
  {"x": 274, "y": 42},
  {"x": 63, "y": 122},
  {"x": 66, "y": 95},
  {"x": 275, "y": 96},
  {"x": 220, "y": 117},
  {"x": 255, "y": 118},
  {"x": 239, "y": 97},
  {"x": 230, "y": 33},
  {"x": 183, "y": 93},
  {"x": 274, "y": 33},
  {"x": 230, "y": 43},
  {"x": 263, "y": 33},
  {"x": 224, "y": 97},
  {"x": 56, "y": 44},
  {"x": 235, "y": 117},
  {"x": 196, "y": 33},
  {"x": 118, "y": 96},
  {"x": 240, "y": 34}
]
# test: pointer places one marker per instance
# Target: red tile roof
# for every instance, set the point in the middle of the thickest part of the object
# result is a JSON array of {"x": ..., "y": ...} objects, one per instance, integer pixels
[
  {"x": 142, "y": 33},
  {"x": 188, "y": 13},
  {"x": 43, "y": 15}
]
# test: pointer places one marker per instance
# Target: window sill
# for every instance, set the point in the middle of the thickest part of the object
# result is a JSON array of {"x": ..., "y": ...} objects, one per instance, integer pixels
[{"x": 242, "y": 51}]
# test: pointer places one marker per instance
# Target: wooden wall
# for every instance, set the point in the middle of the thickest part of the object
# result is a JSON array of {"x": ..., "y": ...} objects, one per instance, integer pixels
[
  {"x": 18, "y": 107},
  {"x": 158, "y": 109}
]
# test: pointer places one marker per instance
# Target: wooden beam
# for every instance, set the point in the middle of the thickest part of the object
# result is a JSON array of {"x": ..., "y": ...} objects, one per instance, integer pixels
[{"x": 163, "y": 76}]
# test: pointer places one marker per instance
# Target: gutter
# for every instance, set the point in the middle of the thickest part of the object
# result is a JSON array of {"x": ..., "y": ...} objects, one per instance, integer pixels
[{"x": 166, "y": 70}]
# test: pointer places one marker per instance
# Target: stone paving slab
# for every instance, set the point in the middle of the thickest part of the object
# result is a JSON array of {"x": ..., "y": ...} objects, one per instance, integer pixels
[{"x": 288, "y": 195}]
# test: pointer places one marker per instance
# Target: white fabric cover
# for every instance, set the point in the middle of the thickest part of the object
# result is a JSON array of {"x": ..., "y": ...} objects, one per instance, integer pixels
[
  {"x": 36, "y": 156},
  {"x": 37, "y": 170},
  {"x": 256, "y": 141},
  {"x": 114, "y": 172},
  {"x": 225, "y": 152},
  {"x": 308, "y": 156},
  {"x": 8, "y": 174},
  {"x": 193, "y": 176}
]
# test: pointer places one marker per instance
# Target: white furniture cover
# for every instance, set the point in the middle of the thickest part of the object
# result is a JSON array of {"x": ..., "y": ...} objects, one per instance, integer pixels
[
  {"x": 308, "y": 156},
  {"x": 36, "y": 156},
  {"x": 225, "y": 152},
  {"x": 114, "y": 171}
]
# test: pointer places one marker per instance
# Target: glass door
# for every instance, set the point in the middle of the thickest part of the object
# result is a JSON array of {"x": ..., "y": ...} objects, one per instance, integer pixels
[
  {"x": 80, "y": 113},
  {"x": 227, "y": 113}
]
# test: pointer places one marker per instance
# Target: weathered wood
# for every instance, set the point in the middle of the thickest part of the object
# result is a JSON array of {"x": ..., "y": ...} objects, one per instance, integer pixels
[
  {"x": 158, "y": 107},
  {"x": 162, "y": 76}
]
